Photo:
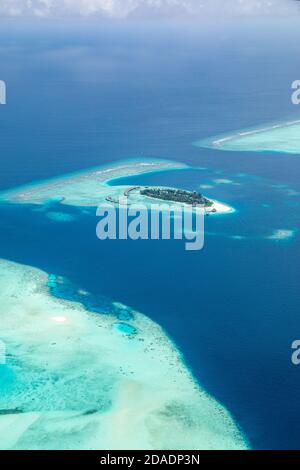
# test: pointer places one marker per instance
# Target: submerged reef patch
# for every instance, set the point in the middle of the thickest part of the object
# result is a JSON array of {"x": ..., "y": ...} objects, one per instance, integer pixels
[
  {"x": 87, "y": 188},
  {"x": 281, "y": 234},
  {"x": 80, "y": 384},
  {"x": 279, "y": 137},
  {"x": 60, "y": 217}
]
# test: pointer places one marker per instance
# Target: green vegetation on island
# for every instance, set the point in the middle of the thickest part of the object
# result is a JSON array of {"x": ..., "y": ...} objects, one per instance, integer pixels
[{"x": 177, "y": 195}]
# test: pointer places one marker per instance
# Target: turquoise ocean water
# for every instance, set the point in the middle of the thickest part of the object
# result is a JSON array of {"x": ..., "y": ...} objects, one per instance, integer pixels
[{"x": 82, "y": 97}]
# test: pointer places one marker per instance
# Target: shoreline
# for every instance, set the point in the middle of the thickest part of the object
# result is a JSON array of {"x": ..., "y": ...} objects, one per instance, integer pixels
[{"x": 89, "y": 188}]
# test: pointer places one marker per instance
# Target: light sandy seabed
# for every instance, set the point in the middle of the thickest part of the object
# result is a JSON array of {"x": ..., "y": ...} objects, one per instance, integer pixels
[
  {"x": 280, "y": 137},
  {"x": 78, "y": 382}
]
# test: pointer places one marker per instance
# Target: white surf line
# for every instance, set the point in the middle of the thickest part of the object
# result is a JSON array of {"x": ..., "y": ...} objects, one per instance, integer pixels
[{"x": 220, "y": 141}]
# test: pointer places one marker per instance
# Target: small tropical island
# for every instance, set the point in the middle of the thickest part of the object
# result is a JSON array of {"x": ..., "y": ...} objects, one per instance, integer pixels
[{"x": 177, "y": 195}]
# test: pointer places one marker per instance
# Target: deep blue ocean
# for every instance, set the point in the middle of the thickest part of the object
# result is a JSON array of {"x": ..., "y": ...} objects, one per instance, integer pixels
[{"x": 82, "y": 95}]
